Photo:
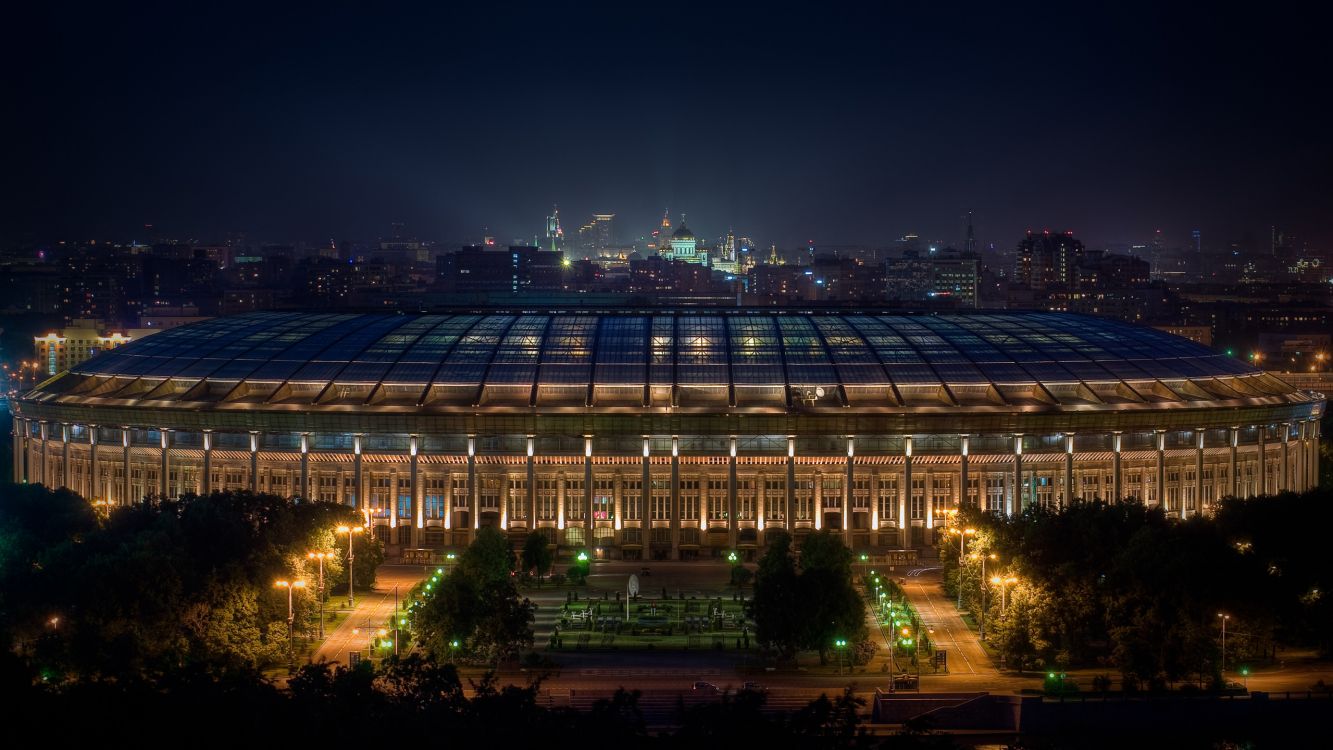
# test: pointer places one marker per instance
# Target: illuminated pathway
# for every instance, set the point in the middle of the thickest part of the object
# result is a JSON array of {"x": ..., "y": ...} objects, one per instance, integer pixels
[
  {"x": 374, "y": 608},
  {"x": 947, "y": 629}
]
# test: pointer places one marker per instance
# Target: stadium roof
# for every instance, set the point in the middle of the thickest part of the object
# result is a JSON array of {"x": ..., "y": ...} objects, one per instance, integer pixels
[{"x": 731, "y": 358}]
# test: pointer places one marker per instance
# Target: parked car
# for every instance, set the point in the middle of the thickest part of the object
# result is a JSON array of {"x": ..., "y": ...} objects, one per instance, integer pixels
[
  {"x": 705, "y": 688},
  {"x": 754, "y": 687}
]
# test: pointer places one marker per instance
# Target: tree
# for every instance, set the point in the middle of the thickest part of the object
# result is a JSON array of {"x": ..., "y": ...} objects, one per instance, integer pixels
[
  {"x": 831, "y": 608},
  {"x": 537, "y": 555},
  {"x": 776, "y": 598},
  {"x": 158, "y": 586},
  {"x": 489, "y": 557},
  {"x": 476, "y": 610}
]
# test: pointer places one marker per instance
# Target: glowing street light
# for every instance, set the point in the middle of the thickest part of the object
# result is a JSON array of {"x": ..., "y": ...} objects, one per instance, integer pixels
[
  {"x": 1224, "y": 618},
  {"x": 962, "y": 544},
  {"x": 350, "y": 531},
  {"x": 320, "y": 557},
  {"x": 1004, "y": 584},
  {"x": 291, "y": 586}
]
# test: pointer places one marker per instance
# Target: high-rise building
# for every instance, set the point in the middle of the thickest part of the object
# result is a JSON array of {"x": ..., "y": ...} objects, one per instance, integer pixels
[
  {"x": 555, "y": 235},
  {"x": 1046, "y": 259},
  {"x": 597, "y": 235}
]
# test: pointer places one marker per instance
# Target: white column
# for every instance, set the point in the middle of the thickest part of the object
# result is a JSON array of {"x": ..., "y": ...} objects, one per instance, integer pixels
[
  {"x": 166, "y": 448},
  {"x": 125, "y": 443},
  {"x": 254, "y": 461},
  {"x": 206, "y": 477},
  {"x": 1071, "y": 494},
  {"x": 847, "y": 492},
  {"x": 304, "y": 490},
  {"x": 731, "y": 495},
  {"x": 42, "y": 428},
  {"x": 963, "y": 491},
  {"x": 359, "y": 499},
  {"x": 474, "y": 494},
  {"x": 905, "y": 497},
  {"x": 1161, "y": 470},
  {"x": 64, "y": 456},
  {"x": 1016, "y": 498},
  {"x": 414, "y": 476},
  {"x": 1117, "y": 478}
]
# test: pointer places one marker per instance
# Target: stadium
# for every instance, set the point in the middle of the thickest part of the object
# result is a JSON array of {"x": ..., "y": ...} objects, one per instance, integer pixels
[{"x": 669, "y": 434}]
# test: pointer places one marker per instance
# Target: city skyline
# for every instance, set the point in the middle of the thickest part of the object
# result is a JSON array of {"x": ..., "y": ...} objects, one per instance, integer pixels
[{"x": 841, "y": 128}]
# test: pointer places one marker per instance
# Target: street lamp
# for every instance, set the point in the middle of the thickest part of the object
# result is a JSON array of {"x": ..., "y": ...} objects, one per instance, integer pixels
[
  {"x": 1004, "y": 583},
  {"x": 320, "y": 557},
  {"x": 291, "y": 586},
  {"x": 981, "y": 621},
  {"x": 1224, "y": 618},
  {"x": 841, "y": 645},
  {"x": 962, "y": 545},
  {"x": 350, "y": 531}
]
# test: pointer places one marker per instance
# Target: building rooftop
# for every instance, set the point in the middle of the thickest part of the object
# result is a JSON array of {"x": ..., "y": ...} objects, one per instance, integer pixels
[{"x": 731, "y": 358}]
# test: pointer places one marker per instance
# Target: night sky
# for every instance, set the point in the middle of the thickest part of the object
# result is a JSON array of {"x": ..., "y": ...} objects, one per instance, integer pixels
[{"x": 787, "y": 123}]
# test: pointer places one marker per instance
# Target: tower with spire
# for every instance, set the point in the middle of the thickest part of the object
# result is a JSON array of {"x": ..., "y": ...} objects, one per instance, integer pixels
[
  {"x": 970, "y": 243},
  {"x": 555, "y": 236}
]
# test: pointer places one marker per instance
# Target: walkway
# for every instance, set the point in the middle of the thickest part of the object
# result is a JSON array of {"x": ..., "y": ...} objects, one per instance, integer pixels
[
  {"x": 372, "y": 612},
  {"x": 947, "y": 630}
]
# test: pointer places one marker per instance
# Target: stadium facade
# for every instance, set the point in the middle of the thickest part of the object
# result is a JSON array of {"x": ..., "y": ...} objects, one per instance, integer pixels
[{"x": 669, "y": 434}]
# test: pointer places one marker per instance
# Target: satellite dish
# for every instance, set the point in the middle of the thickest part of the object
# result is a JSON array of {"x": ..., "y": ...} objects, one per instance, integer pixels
[
  {"x": 633, "y": 588},
  {"x": 819, "y": 392}
]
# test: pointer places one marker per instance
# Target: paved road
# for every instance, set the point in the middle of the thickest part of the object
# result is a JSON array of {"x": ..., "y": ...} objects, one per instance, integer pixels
[
  {"x": 372, "y": 611},
  {"x": 947, "y": 629}
]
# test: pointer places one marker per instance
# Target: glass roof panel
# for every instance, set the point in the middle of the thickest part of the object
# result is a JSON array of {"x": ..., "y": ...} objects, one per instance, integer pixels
[
  {"x": 567, "y": 359},
  {"x": 622, "y": 351},
  {"x": 466, "y": 364},
  {"x": 662, "y": 349},
  {"x": 756, "y": 358},
  {"x": 701, "y": 350}
]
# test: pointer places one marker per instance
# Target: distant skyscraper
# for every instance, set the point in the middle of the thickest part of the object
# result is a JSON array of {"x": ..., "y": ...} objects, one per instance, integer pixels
[
  {"x": 970, "y": 243},
  {"x": 597, "y": 235},
  {"x": 555, "y": 235}
]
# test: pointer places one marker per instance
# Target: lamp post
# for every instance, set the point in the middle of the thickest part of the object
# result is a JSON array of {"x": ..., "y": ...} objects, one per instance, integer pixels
[
  {"x": 981, "y": 621},
  {"x": 962, "y": 546},
  {"x": 1003, "y": 583},
  {"x": 841, "y": 645},
  {"x": 320, "y": 557},
  {"x": 291, "y": 586},
  {"x": 1224, "y": 618},
  {"x": 350, "y": 531}
]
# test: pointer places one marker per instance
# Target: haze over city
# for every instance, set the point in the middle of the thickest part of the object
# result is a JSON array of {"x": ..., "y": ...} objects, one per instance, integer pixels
[{"x": 843, "y": 126}]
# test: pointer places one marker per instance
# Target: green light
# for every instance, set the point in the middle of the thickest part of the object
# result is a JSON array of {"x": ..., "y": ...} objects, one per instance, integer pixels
[
  {"x": 439, "y": 571},
  {"x": 1050, "y": 675},
  {"x": 863, "y": 557},
  {"x": 1245, "y": 671},
  {"x": 402, "y": 621},
  {"x": 451, "y": 556},
  {"x": 453, "y": 644},
  {"x": 583, "y": 557}
]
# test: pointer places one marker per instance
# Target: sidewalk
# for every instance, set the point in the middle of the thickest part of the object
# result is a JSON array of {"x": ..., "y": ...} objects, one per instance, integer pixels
[{"x": 372, "y": 612}]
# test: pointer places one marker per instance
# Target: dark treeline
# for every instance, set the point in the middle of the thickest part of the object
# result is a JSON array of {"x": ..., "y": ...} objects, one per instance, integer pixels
[
  {"x": 162, "y": 586},
  {"x": 1122, "y": 586}
]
